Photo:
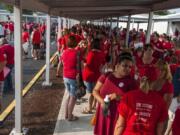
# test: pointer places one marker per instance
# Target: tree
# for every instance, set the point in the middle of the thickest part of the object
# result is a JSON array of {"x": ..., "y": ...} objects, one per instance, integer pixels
[
  {"x": 10, "y": 9},
  {"x": 162, "y": 12}
]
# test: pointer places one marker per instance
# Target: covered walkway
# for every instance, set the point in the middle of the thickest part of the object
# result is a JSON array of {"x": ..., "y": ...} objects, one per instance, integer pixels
[
  {"x": 79, "y": 127},
  {"x": 70, "y": 11}
]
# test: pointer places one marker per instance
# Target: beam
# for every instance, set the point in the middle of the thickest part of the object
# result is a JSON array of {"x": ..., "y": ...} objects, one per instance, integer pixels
[
  {"x": 34, "y": 5},
  {"x": 168, "y": 4},
  {"x": 112, "y": 8}
]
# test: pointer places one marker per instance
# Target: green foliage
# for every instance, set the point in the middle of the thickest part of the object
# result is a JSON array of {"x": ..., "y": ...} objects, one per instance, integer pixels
[
  {"x": 27, "y": 12},
  {"x": 10, "y": 9},
  {"x": 163, "y": 12}
]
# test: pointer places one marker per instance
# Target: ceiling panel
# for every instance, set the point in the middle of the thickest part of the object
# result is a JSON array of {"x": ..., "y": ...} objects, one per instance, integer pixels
[{"x": 95, "y": 8}]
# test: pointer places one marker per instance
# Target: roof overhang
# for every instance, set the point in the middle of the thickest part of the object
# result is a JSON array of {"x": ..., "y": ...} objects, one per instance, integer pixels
[{"x": 95, "y": 9}]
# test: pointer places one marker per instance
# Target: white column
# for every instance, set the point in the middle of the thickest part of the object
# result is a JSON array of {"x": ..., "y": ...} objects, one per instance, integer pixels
[
  {"x": 69, "y": 23},
  {"x": 118, "y": 22},
  {"x": 18, "y": 67},
  {"x": 152, "y": 27},
  {"x": 64, "y": 23},
  {"x": 138, "y": 26},
  {"x": 59, "y": 28},
  {"x": 149, "y": 27},
  {"x": 48, "y": 42},
  {"x": 111, "y": 23},
  {"x": 128, "y": 27},
  {"x": 168, "y": 27},
  {"x": 132, "y": 23}
]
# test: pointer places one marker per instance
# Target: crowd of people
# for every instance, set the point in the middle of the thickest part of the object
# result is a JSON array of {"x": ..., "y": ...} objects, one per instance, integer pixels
[
  {"x": 33, "y": 42},
  {"x": 141, "y": 81}
]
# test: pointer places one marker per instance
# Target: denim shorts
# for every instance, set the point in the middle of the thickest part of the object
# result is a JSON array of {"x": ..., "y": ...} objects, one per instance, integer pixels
[
  {"x": 70, "y": 85},
  {"x": 89, "y": 86}
]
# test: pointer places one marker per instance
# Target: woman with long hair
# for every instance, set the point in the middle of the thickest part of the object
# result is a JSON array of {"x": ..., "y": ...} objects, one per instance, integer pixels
[{"x": 142, "y": 111}]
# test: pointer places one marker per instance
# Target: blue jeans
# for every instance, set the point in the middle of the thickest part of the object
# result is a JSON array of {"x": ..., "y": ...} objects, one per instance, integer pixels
[
  {"x": 71, "y": 86},
  {"x": 89, "y": 86},
  {"x": 8, "y": 85}
]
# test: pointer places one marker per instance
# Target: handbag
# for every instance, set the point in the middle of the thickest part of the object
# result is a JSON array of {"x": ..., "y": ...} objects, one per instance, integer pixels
[
  {"x": 81, "y": 88},
  {"x": 25, "y": 47},
  {"x": 93, "y": 120}
]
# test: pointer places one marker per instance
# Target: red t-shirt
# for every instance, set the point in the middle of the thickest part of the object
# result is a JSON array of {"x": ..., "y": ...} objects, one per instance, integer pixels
[
  {"x": 69, "y": 58},
  {"x": 148, "y": 70},
  {"x": 65, "y": 41},
  {"x": 167, "y": 88},
  {"x": 167, "y": 45},
  {"x": 60, "y": 43},
  {"x": 9, "y": 51},
  {"x": 11, "y": 27},
  {"x": 36, "y": 39},
  {"x": 2, "y": 59},
  {"x": 94, "y": 60},
  {"x": 173, "y": 68},
  {"x": 25, "y": 36},
  {"x": 142, "y": 112},
  {"x": 111, "y": 84},
  {"x": 159, "y": 45},
  {"x": 43, "y": 28},
  {"x": 176, "y": 122}
]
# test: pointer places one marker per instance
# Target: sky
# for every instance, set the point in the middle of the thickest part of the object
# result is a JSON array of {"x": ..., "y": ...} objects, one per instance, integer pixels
[{"x": 177, "y": 10}]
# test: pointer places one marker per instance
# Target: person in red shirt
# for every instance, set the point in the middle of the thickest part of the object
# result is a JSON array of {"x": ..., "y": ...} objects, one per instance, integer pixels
[
  {"x": 142, "y": 111},
  {"x": 176, "y": 123},
  {"x": 91, "y": 72},
  {"x": 43, "y": 29},
  {"x": 2, "y": 65},
  {"x": 8, "y": 52},
  {"x": 25, "y": 41},
  {"x": 60, "y": 50},
  {"x": 163, "y": 85},
  {"x": 36, "y": 40},
  {"x": 158, "y": 47},
  {"x": 113, "y": 85},
  {"x": 11, "y": 30},
  {"x": 70, "y": 72}
]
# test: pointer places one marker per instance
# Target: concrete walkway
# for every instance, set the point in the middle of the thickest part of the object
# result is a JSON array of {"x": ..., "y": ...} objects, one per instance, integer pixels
[{"x": 79, "y": 127}]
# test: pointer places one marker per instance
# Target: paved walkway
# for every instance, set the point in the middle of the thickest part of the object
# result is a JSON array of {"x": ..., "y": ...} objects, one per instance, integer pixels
[{"x": 79, "y": 127}]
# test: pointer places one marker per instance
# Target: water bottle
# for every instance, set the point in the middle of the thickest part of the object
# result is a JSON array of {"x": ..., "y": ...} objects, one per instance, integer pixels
[{"x": 106, "y": 108}]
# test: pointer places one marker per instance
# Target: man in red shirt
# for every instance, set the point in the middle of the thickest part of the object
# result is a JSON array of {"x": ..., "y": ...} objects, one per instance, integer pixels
[
  {"x": 8, "y": 51},
  {"x": 2, "y": 65},
  {"x": 36, "y": 40},
  {"x": 25, "y": 41},
  {"x": 11, "y": 30}
]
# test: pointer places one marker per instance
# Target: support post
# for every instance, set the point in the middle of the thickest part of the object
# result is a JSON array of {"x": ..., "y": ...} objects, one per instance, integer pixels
[
  {"x": 132, "y": 23},
  {"x": 168, "y": 27},
  {"x": 149, "y": 27},
  {"x": 138, "y": 26},
  {"x": 117, "y": 22},
  {"x": 59, "y": 28},
  {"x": 18, "y": 67},
  {"x": 127, "y": 32},
  {"x": 48, "y": 42}
]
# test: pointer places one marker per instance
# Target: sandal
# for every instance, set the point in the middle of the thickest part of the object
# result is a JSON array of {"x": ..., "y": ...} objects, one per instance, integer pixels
[
  {"x": 74, "y": 118},
  {"x": 86, "y": 111}
]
